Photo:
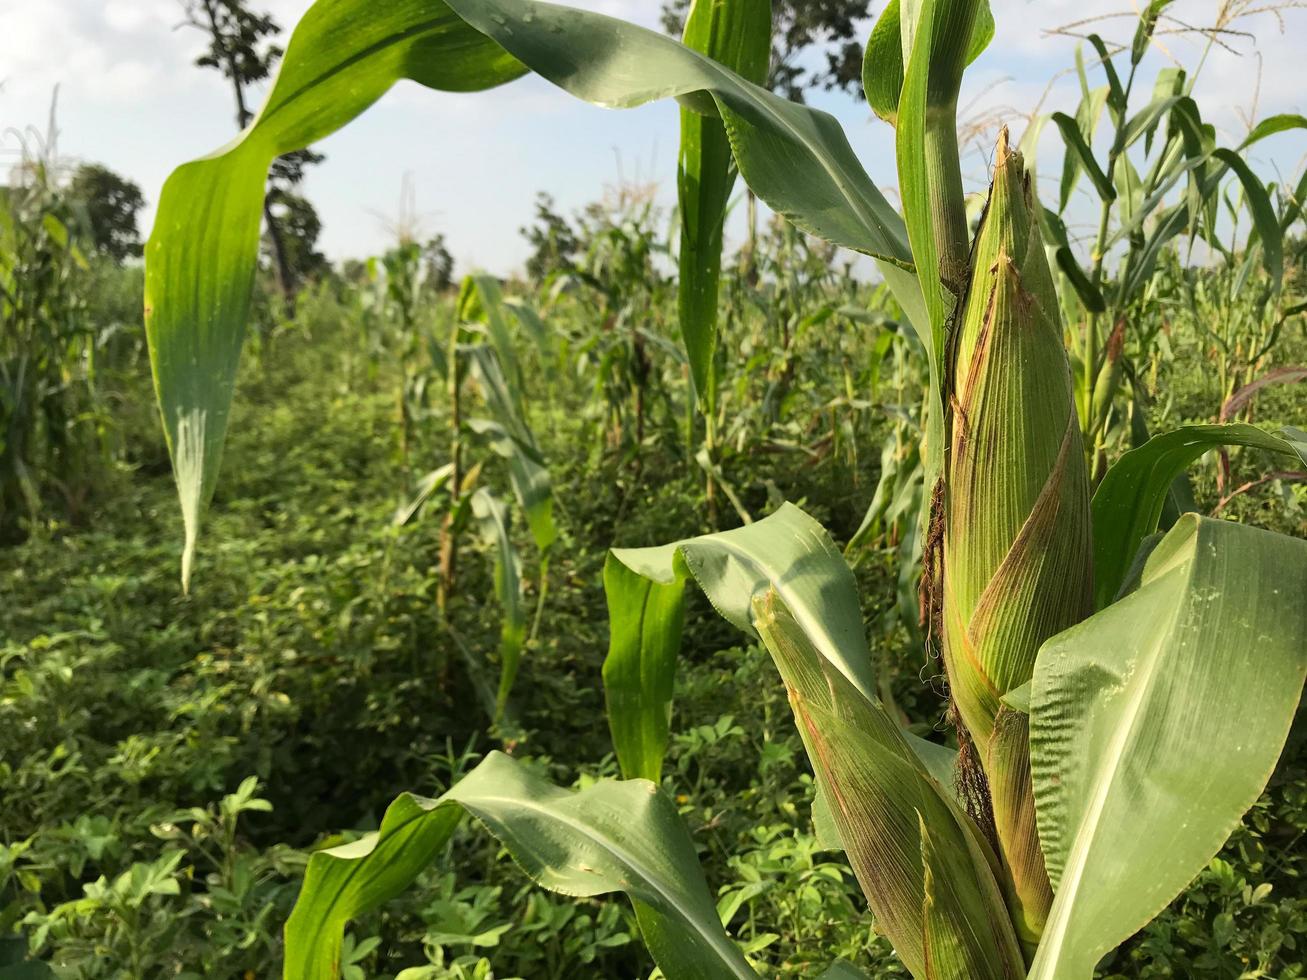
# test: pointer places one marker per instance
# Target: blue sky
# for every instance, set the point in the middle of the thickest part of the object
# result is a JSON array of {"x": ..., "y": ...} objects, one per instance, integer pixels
[{"x": 130, "y": 98}]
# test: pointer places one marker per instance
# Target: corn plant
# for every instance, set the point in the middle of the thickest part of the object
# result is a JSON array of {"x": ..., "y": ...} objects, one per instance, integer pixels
[
  {"x": 51, "y": 419},
  {"x": 1175, "y": 187},
  {"x": 1120, "y": 696},
  {"x": 482, "y": 349}
]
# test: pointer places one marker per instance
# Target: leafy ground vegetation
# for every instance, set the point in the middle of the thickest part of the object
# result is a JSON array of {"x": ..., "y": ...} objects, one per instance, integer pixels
[
  {"x": 403, "y": 566},
  {"x": 170, "y": 759}
]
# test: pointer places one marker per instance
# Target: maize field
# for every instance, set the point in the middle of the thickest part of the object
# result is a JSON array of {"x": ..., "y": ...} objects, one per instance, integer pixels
[{"x": 352, "y": 614}]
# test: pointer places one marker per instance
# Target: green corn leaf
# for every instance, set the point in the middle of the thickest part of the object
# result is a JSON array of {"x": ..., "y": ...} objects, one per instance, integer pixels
[
  {"x": 528, "y": 477},
  {"x": 342, "y": 57},
  {"x": 782, "y": 580},
  {"x": 882, "y": 65},
  {"x": 1075, "y": 144},
  {"x": 613, "y": 836},
  {"x": 201, "y": 255},
  {"x": 796, "y": 159},
  {"x": 429, "y": 485},
  {"x": 482, "y": 301},
  {"x": 941, "y": 907},
  {"x": 645, "y": 618},
  {"x": 1265, "y": 220},
  {"x": 1090, "y": 296},
  {"x": 1144, "y": 32},
  {"x": 737, "y": 34},
  {"x": 1273, "y": 124},
  {"x": 786, "y": 550},
  {"x": 1088, "y": 113},
  {"x": 930, "y": 182},
  {"x": 882, "y": 60},
  {"x": 1128, "y": 503},
  {"x": 1170, "y": 223},
  {"x": 1144, "y": 123},
  {"x": 1116, "y": 97},
  {"x": 492, "y": 521},
  {"x": 1156, "y": 723}
]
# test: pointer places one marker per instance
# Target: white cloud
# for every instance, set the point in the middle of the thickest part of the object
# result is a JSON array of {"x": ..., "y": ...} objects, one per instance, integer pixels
[{"x": 132, "y": 97}]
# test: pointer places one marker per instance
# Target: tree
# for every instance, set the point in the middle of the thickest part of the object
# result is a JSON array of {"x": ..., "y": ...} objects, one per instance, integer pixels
[
  {"x": 111, "y": 204},
  {"x": 299, "y": 226},
  {"x": 554, "y": 242},
  {"x": 799, "y": 25},
  {"x": 439, "y": 263},
  {"x": 242, "y": 49}
]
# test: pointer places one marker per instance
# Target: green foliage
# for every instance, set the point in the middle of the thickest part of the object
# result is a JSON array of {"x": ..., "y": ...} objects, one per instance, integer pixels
[
  {"x": 112, "y": 205},
  {"x": 175, "y": 773}
]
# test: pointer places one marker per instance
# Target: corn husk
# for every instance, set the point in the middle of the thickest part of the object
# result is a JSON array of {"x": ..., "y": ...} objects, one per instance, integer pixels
[{"x": 1016, "y": 548}]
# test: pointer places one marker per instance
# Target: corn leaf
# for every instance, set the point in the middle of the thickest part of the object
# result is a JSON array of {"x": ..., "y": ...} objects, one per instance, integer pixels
[
  {"x": 1265, "y": 220},
  {"x": 737, "y": 34},
  {"x": 882, "y": 60},
  {"x": 941, "y": 906},
  {"x": 1128, "y": 503},
  {"x": 1156, "y": 723},
  {"x": 613, "y": 836},
  {"x": 645, "y": 618},
  {"x": 782, "y": 580},
  {"x": 787, "y": 550},
  {"x": 342, "y": 57},
  {"x": 1273, "y": 124},
  {"x": 492, "y": 521},
  {"x": 1076, "y": 145}
]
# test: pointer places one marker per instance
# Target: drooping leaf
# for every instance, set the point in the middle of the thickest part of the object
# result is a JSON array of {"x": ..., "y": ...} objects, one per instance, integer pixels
[
  {"x": 343, "y": 57},
  {"x": 942, "y": 906},
  {"x": 1088, "y": 114},
  {"x": 1129, "y": 501},
  {"x": 1271, "y": 125},
  {"x": 492, "y": 521},
  {"x": 1076, "y": 144},
  {"x": 783, "y": 580},
  {"x": 737, "y": 34},
  {"x": 529, "y": 478},
  {"x": 613, "y": 836},
  {"x": 1265, "y": 220},
  {"x": 1156, "y": 723},
  {"x": 796, "y": 159}
]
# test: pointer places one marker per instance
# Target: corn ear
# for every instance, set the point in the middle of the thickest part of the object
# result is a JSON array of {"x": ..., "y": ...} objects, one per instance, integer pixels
[{"x": 1017, "y": 523}]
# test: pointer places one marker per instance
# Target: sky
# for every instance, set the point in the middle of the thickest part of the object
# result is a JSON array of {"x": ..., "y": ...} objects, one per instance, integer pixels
[{"x": 130, "y": 97}]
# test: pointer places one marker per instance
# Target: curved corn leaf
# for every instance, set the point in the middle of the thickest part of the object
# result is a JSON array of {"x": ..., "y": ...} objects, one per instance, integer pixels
[
  {"x": 1075, "y": 144},
  {"x": 1271, "y": 125},
  {"x": 1265, "y": 220},
  {"x": 942, "y": 907},
  {"x": 639, "y": 672},
  {"x": 344, "y": 56},
  {"x": 796, "y": 159},
  {"x": 737, "y": 34},
  {"x": 613, "y": 836},
  {"x": 882, "y": 60},
  {"x": 645, "y": 593},
  {"x": 499, "y": 372},
  {"x": 201, "y": 255},
  {"x": 1088, "y": 114},
  {"x": 1156, "y": 723},
  {"x": 1129, "y": 501},
  {"x": 782, "y": 580}
]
